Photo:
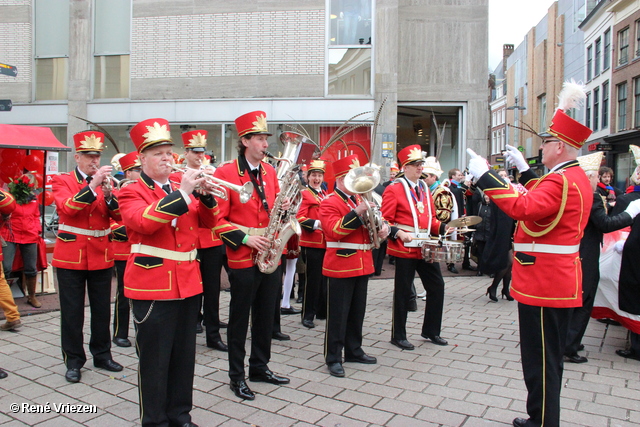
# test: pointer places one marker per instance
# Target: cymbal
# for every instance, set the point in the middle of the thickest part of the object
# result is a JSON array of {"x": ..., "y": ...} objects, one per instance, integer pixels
[{"x": 465, "y": 221}]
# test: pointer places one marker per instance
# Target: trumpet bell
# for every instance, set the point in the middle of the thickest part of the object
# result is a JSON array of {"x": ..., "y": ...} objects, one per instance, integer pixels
[{"x": 362, "y": 180}]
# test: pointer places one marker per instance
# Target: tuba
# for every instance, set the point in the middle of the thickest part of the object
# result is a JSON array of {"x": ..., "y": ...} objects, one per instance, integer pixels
[
  {"x": 283, "y": 224},
  {"x": 363, "y": 180}
]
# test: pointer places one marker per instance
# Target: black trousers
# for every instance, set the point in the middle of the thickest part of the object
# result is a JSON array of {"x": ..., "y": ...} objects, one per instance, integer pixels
[
  {"x": 166, "y": 346},
  {"x": 121, "y": 308},
  {"x": 543, "y": 334},
  {"x": 347, "y": 299},
  {"x": 581, "y": 315},
  {"x": 378, "y": 257},
  {"x": 433, "y": 283},
  {"x": 71, "y": 286},
  {"x": 256, "y": 293},
  {"x": 314, "y": 280},
  {"x": 211, "y": 262}
]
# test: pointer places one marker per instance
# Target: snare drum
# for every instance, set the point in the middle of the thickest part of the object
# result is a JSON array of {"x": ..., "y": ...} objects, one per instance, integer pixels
[{"x": 440, "y": 251}]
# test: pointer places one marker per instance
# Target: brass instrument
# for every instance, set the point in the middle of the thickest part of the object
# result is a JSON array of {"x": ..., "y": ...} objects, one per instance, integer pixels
[
  {"x": 219, "y": 186},
  {"x": 363, "y": 180}
]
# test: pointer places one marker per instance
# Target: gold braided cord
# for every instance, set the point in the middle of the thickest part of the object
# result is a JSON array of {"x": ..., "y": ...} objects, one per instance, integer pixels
[{"x": 563, "y": 204}]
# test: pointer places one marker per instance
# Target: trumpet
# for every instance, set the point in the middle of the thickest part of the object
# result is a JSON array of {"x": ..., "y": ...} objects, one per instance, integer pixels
[{"x": 220, "y": 186}]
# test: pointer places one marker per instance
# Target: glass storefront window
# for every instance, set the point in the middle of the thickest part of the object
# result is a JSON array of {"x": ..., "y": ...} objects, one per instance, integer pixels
[{"x": 349, "y": 72}]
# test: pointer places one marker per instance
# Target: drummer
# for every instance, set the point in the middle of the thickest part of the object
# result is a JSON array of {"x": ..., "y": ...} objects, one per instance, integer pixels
[{"x": 408, "y": 206}]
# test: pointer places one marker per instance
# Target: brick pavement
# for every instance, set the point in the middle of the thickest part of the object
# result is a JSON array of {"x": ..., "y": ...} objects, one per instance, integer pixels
[{"x": 475, "y": 381}]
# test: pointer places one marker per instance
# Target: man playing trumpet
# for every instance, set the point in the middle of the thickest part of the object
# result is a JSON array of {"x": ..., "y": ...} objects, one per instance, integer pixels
[
  {"x": 82, "y": 254},
  {"x": 162, "y": 277},
  {"x": 409, "y": 208}
]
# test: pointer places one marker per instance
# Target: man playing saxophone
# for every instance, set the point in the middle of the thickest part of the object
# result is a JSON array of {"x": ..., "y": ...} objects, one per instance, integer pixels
[
  {"x": 348, "y": 263},
  {"x": 241, "y": 227}
]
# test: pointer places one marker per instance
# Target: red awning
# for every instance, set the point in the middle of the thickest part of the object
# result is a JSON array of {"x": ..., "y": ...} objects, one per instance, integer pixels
[{"x": 29, "y": 138}]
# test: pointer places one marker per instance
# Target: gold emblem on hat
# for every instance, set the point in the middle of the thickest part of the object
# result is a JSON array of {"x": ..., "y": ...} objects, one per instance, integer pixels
[
  {"x": 157, "y": 132},
  {"x": 198, "y": 140},
  {"x": 414, "y": 154},
  {"x": 316, "y": 164},
  {"x": 92, "y": 142},
  {"x": 355, "y": 164},
  {"x": 260, "y": 125}
]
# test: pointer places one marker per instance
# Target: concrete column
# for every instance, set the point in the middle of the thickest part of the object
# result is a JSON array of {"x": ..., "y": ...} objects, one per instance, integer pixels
[
  {"x": 80, "y": 62},
  {"x": 386, "y": 77}
]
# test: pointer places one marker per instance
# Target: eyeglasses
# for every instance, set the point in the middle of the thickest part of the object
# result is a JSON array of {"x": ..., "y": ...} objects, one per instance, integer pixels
[{"x": 545, "y": 142}]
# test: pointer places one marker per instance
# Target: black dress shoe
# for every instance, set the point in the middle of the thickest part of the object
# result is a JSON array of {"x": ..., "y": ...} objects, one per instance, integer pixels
[
  {"x": 242, "y": 390},
  {"x": 575, "y": 358},
  {"x": 280, "y": 336},
  {"x": 336, "y": 369},
  {"x": 223, "y": 324},
  {"x": 365, "y": 358},
  {"x": 436, "y": 340},
  {"x": 412, "y": 305},
  {"x": 452, "y": 268},
  {"x": 299, "y": 300},
  {"x": 268, "y": 377},
  {"x": 122, "y": 342},
  {"x": 218, "y": 345},
  {"x": 609, "y": 322},
  {"x": 308, "y": 323},
  {"x": 402, "y": 344},
  {"x": 73, "y": 375},
  {"x": 519, "y": 422},
  {"x": 468, "y": 267},
  {"x": 199, "y": 329},
  {"x": 108, "y": 364},
  {"x": 628, "y": 354},
  {"x": 3, "y": 374},
  {"x": 290, "y": 310}
]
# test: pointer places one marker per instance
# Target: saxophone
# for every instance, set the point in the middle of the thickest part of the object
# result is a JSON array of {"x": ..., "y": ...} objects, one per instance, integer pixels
[{"x": 283, "y": 224}]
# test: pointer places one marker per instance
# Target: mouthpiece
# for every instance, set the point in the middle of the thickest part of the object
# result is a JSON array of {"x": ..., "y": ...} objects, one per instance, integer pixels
[{"x": 269, "y": 155}]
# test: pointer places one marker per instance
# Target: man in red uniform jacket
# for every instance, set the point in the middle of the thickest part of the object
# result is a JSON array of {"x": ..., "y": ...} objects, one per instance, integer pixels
[
  {"x": 121, "y": 247},
  {"x": 547, "y": 280},
  {"x": 241, "y": 227},
  {"x": 82, "y": 255},
  {"x": 348, "y": 263},
  {"x": 7, "y": 304},
  {"x": 312, "y": 242},
  {"x": 162, "y": 277},
  {"x": 409, "y": 208}
]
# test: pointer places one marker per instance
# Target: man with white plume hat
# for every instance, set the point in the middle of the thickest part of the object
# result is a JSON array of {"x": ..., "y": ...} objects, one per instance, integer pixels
[{"x": 551, "y": 221}]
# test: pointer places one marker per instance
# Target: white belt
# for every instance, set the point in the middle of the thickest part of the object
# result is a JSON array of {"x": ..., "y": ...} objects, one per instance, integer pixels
[
  {"x": 251, "y": 231},
  {"x": 546, "y": 249},
  {"x": 139, "y": 248},
  {"x": 84, "y": 231},
  {"x": 344, "y": 245},
  {"x": 411, "y": 229}
]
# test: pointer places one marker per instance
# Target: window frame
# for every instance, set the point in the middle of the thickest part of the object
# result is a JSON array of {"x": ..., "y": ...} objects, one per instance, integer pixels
[
  {"x": 623, "y": 46},
  {"x": 621, "y": 121},
  {"x": 587, "y": 111},
  {"x": 636, "y": 102},
  {"x": 596, "y": 57},
  {"x": 589, "y": 62},
  {"x": 596, "y": 109},
  {"x": 605, "y": 105},
  {"x": 606, "y": 53}
]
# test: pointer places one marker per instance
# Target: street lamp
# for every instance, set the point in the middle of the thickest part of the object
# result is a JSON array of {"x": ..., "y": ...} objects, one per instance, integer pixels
[{"x": 515, "y": 109}]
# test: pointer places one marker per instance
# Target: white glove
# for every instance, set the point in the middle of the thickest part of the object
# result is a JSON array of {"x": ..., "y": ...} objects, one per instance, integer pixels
[
  {"x": 515, "y": 157},
  {"x": 477, "y": 165},
  {"x": 468, "y": 177},
  {"x": 634, "y": 208},
  {"x": 619, "y": 246}
]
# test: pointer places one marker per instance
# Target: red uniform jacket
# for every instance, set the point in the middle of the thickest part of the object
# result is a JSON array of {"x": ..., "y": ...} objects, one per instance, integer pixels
[
  {"x": 554, "y": 212},
  {"x": 340, "y": 223},
  {"x": 25, "y": 225},
  {"x": 120, "y": 245},
  {"x": 308, "y": 214},
  {"x": 78, "y": 207},
  {"x": 7, "y": 205},
  {"x": 396, "y": 209},
  {"x": 251, "y": 214},
  {"x": 148, "y": 212}
]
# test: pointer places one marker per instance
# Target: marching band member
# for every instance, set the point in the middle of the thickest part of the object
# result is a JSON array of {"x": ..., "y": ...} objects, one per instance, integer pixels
[
  {"x": 241, "y": 227},
  {"x": 211, "y": 252},
  {"x": 408, "y": 206},
  {"x": 162, "y": 277},
  {"x": 312, "y": 242},
  {"x": 348, "y": 263},
  {"x": 547, "y": 282},
  {"x": 121, "y": 247},
  {"x": 82, "y": 254}
]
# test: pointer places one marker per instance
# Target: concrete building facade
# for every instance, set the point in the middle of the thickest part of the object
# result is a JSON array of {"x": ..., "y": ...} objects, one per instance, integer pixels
[{"x": 197, "y": 63}]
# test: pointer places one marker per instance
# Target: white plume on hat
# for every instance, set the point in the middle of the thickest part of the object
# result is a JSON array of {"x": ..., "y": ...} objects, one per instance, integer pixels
[
  {"x": 591, "y": 162},
  {"x": 431, "y": 165},
  {"x": 572, "y": 95}
]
